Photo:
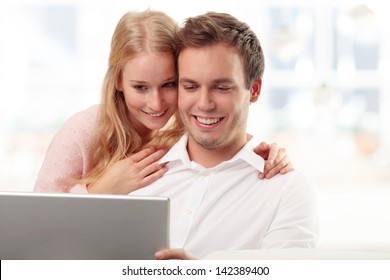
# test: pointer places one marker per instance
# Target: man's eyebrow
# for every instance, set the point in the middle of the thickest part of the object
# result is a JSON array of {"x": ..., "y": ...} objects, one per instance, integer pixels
[
  {"x": 186, "y": 80},
  {"x": 223, "y": 80},
  {"x": 216, "y": 81}
]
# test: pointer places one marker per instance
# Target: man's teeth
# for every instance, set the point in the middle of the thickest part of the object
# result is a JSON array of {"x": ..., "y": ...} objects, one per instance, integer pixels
[
  {"x": 156, "y": 115},
  {"x": 208, "y": 121}
]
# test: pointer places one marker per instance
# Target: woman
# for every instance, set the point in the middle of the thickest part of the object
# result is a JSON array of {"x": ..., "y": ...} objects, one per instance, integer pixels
[{"x": 114, "y": 148}]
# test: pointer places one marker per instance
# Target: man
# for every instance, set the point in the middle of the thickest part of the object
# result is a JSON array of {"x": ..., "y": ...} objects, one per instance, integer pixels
[{"x": 217, "y": 201}]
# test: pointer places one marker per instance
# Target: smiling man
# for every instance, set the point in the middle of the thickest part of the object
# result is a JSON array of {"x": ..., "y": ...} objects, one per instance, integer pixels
[
  {"x": 214, "y": 103},
  {"x": 217, "y": 201}
]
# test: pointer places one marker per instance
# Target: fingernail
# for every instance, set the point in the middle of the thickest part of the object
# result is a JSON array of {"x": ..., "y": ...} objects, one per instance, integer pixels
[{"x": 158, "y": 255}]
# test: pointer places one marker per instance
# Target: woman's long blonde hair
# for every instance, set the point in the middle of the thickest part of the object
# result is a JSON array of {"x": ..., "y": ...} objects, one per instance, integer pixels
[{"x": 136, "y": 32}]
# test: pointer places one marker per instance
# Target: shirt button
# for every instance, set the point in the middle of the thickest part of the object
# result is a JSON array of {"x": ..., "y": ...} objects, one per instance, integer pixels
[
  {"x": 188, "y": 212},
  {"x": 205, "y": 174}
]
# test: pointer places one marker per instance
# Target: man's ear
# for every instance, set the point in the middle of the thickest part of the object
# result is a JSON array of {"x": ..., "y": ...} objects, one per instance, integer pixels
[{"x": 255, "y": 91}]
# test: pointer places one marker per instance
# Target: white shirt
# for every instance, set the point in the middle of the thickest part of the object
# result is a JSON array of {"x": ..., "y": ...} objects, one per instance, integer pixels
[{"x": 227, "y": 207}]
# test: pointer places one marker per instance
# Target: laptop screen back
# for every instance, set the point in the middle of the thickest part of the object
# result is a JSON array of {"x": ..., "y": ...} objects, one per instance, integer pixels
[{"x": 69, "y": 226}]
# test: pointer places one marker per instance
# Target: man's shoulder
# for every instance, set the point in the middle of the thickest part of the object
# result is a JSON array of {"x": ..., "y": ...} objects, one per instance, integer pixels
[
  {"x": 296, "y": 174},
  {"x": 294, "y": 181}
]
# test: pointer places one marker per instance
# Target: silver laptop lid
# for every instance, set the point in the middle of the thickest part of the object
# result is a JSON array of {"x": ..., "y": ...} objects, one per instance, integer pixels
[{"x": 70, "y": 226}]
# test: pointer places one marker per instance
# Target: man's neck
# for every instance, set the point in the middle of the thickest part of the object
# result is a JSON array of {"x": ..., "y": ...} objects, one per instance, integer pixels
[{"x": 210, "y": 157}]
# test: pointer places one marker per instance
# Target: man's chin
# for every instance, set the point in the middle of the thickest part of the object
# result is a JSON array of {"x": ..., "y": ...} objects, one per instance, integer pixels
[{"x": 207, "y": 142}]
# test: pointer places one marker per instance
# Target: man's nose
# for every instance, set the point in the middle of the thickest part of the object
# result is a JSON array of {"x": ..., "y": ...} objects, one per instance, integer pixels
[{"x": 206, "y": 100}]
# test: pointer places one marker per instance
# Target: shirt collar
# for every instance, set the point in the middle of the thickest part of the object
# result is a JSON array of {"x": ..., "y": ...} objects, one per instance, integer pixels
[
  {"x": 179, "y": 153},
  {"x": 248, "y": 155}
]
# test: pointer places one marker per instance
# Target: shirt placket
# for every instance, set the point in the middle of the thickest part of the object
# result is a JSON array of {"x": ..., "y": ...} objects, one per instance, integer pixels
[{"x": 193, "y": 201}]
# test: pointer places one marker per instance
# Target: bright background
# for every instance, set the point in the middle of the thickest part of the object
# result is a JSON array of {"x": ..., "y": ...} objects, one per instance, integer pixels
[{"x": 325, "y": 93}]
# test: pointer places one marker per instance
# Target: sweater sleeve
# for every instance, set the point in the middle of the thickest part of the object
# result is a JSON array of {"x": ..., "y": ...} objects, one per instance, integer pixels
[{"x": 69, "y": 155}]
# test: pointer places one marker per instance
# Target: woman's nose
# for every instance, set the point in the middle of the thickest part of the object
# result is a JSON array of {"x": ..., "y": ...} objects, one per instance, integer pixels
[{"x": 156, "y": 101}]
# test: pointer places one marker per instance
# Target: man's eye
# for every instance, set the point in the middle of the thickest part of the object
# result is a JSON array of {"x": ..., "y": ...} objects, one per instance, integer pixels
[
  {"x": 189, "y": 87},
  {"x": 224, "y": 89}
]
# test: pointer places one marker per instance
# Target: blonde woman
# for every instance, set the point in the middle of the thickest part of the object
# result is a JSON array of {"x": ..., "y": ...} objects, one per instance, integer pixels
[{"x": 115, "y": 147}]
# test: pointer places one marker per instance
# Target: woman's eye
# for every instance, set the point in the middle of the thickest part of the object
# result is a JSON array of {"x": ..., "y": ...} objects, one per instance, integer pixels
[
  {"x": 169, "y": 85},
  {"x": 140, "y": 87}
]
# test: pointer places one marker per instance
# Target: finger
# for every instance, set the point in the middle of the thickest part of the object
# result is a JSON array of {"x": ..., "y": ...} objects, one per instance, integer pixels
[
  {"x": 271, "y": 173},
  {"x": 152, "y": 158},
  {"x": 289, "y": 167},
  {"x": 171, "y": 254},
  {"x": 274, "y": 151},
  {"x": 276, "y": 168},
  {"x": 149, "y": 179},
  {"x": 280, "y": 162},
  {"x": 151, "y": 169},
  {"x": 141, "y": 154},
  {"x": 262, "y": 148},
  {"x": 281, "y": 155},
  {"x": 154, "y": 176},
  {"x": 261, "y": 175}
]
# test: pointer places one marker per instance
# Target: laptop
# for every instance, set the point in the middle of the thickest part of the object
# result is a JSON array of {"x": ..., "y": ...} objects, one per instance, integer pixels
[{"x": 59, "y": 226}]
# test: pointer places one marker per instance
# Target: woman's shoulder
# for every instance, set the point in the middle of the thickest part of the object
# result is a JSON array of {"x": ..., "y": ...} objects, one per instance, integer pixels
[
  {"x": 81, "y": 125},
  {"x": 88, "y": 115},
  {"x": 85, "y": 119}
]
